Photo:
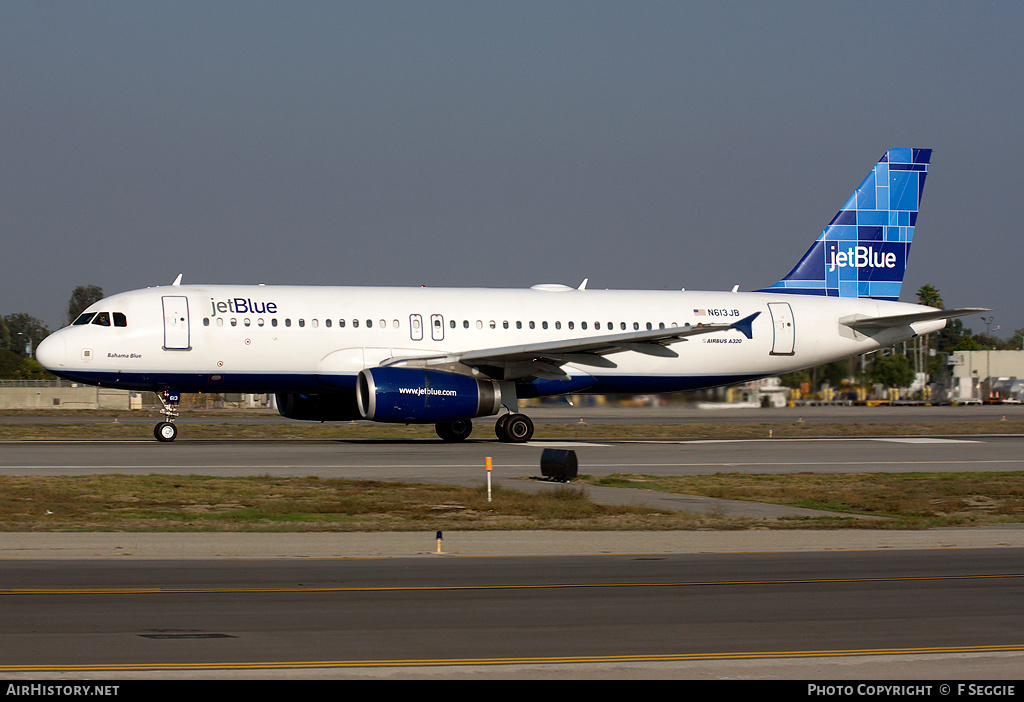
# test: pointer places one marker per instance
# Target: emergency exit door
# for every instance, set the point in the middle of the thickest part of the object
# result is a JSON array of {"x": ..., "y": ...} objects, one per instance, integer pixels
[{"x": 785, "y": 331}]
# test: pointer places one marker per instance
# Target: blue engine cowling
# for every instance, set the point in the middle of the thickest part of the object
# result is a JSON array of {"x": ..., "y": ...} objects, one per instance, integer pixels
[{"x": 419, "y": 396}]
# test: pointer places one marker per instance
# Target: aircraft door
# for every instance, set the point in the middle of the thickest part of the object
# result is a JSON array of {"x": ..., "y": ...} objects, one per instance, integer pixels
[
  {"x": 437, "y": 327},
  {"x": 176, "y": 332},
  {"x": 785, "y": 331},
  {"x": 416, "y": 327}
]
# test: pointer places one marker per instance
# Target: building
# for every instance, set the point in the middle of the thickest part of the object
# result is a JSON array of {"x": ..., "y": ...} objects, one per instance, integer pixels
[{"x": 986, "y": 376}]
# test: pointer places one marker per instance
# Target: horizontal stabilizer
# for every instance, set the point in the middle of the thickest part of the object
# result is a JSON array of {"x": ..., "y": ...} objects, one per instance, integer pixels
[{"x": 901, "y": 320}]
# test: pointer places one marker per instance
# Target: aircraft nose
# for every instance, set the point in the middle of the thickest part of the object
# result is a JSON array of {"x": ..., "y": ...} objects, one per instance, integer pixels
[{"x": 52, "y": 352}]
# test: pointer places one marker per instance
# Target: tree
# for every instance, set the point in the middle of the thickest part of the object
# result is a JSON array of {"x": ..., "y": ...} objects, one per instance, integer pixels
[
  {"x": 5, "y": 335},
  {"x": 1017, "y": 340},
  {"x": 893, "y": 371},
  {"x": 13, "y": 366},
  {"x": 10, "y": 362},
  {"x": 82, "y": 297},
  {"x": 929, "y": 295},
  {"x": 24, "y": 329}
]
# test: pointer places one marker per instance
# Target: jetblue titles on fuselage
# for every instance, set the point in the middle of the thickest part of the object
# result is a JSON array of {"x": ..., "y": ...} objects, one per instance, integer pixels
[{"x": 242, "y": 305}]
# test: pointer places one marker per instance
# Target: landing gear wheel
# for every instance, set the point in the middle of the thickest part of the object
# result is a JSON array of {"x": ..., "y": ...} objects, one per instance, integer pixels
[
  {"x": 165, "y": 431},
  {"x": 514, "y": 428},
  {"x": 499, "y": 427},
  {"x": 456, "y": 430}
]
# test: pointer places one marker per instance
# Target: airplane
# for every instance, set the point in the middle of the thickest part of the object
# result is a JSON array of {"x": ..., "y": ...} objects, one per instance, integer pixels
[{"x": 446, "y": 356}]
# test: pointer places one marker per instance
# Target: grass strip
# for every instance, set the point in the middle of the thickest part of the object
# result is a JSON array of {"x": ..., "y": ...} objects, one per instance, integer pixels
[{"x": 113, "y": 502}]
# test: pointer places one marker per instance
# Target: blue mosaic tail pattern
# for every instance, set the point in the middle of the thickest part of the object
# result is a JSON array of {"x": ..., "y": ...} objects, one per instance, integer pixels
[{"x": 863, "y": 251}]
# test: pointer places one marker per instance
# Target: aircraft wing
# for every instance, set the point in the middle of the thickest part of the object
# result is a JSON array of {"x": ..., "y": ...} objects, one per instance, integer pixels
[
  {"x": 545, "y": 358},
  {"x": 900, "y": 320}
]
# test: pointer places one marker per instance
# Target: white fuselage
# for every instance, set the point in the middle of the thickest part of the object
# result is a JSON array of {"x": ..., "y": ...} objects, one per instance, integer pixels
[{"x": 258, "y": 339}]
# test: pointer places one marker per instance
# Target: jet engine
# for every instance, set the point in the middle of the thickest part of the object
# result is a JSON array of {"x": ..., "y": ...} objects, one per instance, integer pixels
[{"x": 421, "y": 396}]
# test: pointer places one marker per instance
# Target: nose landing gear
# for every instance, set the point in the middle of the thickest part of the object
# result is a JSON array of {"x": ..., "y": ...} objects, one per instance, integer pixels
[{"x": 166, "y": 431}]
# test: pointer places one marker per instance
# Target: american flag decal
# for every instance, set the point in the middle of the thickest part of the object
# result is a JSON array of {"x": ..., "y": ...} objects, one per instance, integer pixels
[{"x": 699, "y": 313}]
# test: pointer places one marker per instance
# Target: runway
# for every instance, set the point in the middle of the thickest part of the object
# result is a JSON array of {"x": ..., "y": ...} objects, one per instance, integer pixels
[
  {"x": 433, "y": 461},
  {"x": 582, "y": 616},
  {"x": 939, "y": 604}
]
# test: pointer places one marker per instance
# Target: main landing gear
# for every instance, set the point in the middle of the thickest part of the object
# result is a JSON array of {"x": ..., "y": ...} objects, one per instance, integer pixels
[
  {"x": 511, "y": 428},
  {"x": 457, "y": 430},
  {"x": 165, "y": 430},
  {"x": 514, "y": 428}
]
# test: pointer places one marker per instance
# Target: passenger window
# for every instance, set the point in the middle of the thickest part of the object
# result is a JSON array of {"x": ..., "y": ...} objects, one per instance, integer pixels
[
  {"x": 341, "y": 322},
  {"x": 273, "y": 321},
  {"x": 206, "y": 321},
  {"x": 302, "y": 322},
  {"x": 288, "y": 322},
  {"x": 327, "y": 323}
]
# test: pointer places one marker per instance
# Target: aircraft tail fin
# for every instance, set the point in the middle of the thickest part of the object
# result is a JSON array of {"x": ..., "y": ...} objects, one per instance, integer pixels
[{"x": 863, "y": 251}]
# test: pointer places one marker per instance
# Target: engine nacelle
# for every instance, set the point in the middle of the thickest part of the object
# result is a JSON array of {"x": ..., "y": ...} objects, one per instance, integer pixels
[
  {"x": 318, "y": 407},
  {"x": 420, "y": 396}
]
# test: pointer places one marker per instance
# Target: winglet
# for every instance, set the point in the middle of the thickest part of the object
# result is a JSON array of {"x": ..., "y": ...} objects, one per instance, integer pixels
[{"x": 746, "y": 325}]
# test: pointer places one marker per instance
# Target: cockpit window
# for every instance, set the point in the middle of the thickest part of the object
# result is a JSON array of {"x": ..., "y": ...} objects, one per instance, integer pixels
[
  {"x": 120, "y": 320},
  {"x": 102, "y": 319},
  {"x": 84, "y": 318}
]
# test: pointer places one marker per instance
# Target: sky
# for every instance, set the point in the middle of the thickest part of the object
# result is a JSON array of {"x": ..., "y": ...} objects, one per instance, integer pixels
[{"x": 643, "y": 144}]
